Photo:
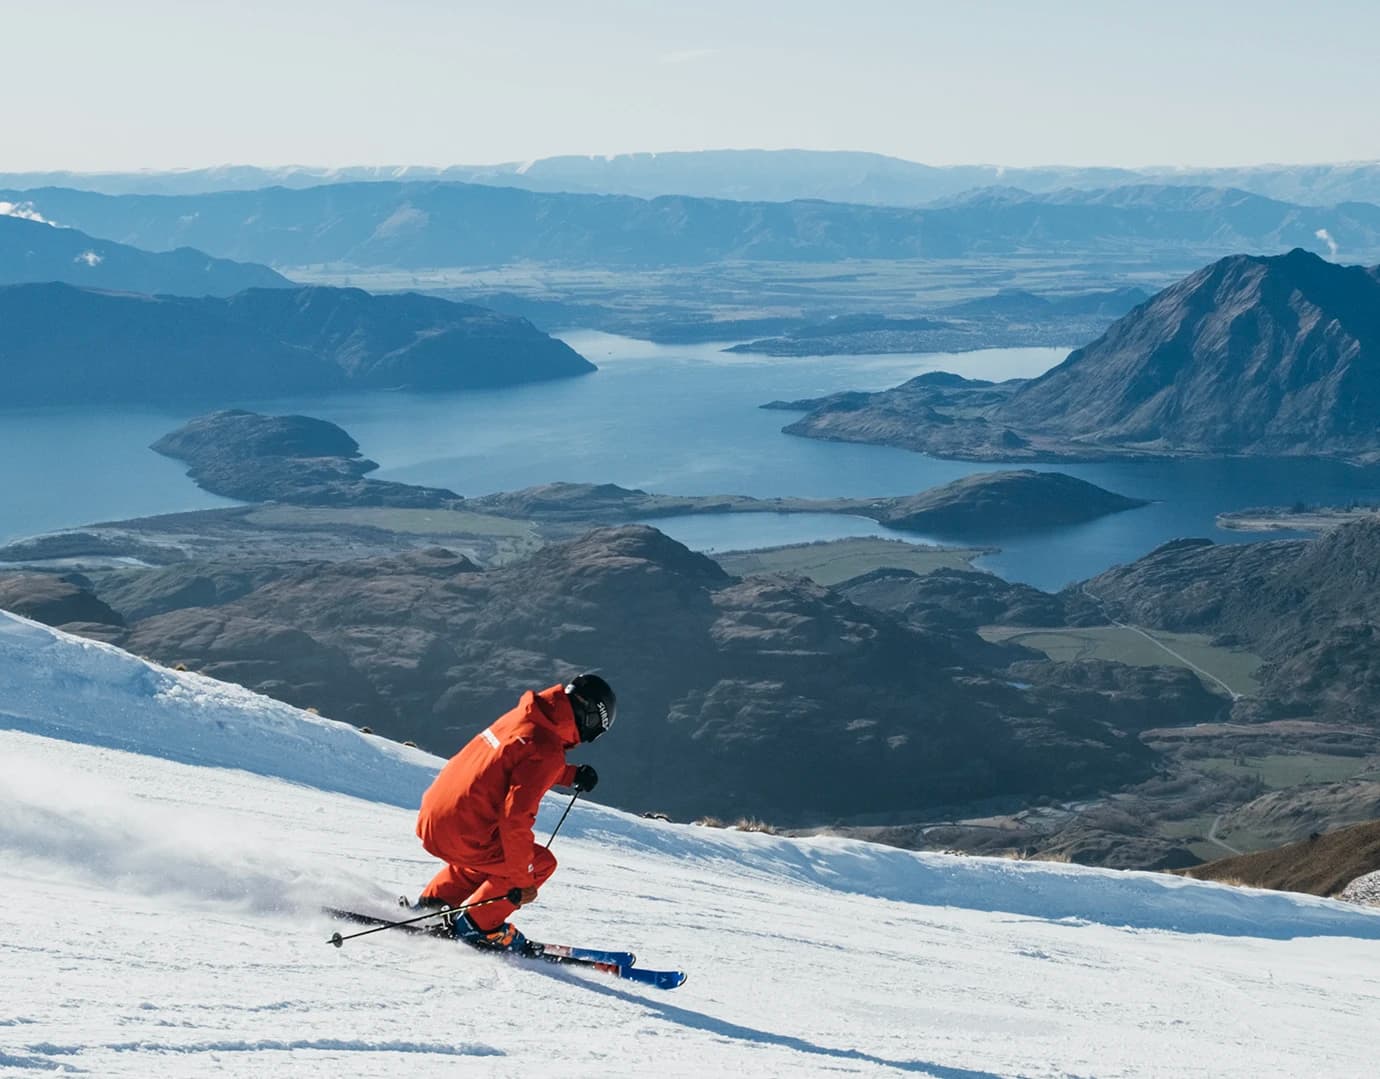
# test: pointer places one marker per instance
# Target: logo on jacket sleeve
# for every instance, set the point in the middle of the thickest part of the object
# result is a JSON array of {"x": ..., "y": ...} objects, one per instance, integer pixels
[{"x": 488, "y": 735}]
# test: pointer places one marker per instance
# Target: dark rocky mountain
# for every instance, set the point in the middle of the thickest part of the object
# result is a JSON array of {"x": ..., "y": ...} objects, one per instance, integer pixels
[
  {"x": 65, "y": 345},
  {"x": 36, "y": 251},
  {"x": 768, "y": 175},
  {"x": 1253, "y": 355},
  {"x": 1310, "y": 607},
  {"x": 293, "y": 459},
  {"x": 1266, "y": 356},
  {"x": 428, "y": 225},
  {"x": 765, "y": 696}
]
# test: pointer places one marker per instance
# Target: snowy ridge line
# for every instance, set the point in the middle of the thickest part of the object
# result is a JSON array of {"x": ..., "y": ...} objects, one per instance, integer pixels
[
  {"x": 54, "y": 685},
  {"x": 61, "y": 686},
  {"x": 351, "y": 1045}
]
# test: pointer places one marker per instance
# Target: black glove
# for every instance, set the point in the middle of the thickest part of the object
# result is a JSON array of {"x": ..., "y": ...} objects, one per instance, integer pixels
[{"x": 586, "y": 778}]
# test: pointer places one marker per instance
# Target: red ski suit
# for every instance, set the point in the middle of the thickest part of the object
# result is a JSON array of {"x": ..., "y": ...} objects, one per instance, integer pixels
[{"x": 479, "y": 813}]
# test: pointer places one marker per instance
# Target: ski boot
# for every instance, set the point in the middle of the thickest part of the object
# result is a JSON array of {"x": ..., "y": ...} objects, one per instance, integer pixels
[{"x": 506, "y": 938}]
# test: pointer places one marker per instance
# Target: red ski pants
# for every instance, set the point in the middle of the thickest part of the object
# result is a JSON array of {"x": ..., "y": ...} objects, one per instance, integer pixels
[{"x": 458, "y": 884}]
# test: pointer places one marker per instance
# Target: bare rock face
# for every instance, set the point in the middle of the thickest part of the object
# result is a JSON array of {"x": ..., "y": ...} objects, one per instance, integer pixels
[{"x": 1267, "y": 356}]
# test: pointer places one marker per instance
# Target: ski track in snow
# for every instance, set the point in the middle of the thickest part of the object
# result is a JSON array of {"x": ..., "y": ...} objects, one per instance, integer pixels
[{"x": 166, "y": 841}]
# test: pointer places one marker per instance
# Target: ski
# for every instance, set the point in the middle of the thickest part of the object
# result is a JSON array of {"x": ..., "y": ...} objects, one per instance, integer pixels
[
  {"x": 658, "y": 979},
  {"x": 619, "y": 963},
  {"x": 593, "y": 955},
  {"x": 434, "y": 929}
]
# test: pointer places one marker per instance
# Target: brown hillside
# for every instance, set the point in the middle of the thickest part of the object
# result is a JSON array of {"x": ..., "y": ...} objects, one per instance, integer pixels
[{"x": 1322, "y": 866}]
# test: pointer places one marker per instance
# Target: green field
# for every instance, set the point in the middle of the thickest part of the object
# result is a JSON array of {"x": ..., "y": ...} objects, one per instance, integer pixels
[
  {"x": 1234, "y": 667},
  {"x": 408, "y": 521},
  {"x": 839, "y": 560},
  {"x": 1279, "y": 771}
]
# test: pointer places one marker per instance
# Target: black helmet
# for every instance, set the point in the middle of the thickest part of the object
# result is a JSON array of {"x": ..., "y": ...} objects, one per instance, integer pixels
[{"x": 593, "y": 703}]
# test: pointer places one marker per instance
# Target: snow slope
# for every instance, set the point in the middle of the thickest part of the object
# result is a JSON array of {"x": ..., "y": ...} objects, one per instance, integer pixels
[{"x": 165, "y": 841}]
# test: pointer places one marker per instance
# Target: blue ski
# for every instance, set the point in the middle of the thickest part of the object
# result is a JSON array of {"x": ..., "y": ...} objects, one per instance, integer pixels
[
  {"x": 594, "y": 955},
  {"x": 659, "y": 979},
  {"x": 618, "y": 963}
]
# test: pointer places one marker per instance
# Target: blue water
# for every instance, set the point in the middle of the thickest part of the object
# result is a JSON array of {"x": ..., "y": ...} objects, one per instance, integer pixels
[{"x": 673, "y": 419}]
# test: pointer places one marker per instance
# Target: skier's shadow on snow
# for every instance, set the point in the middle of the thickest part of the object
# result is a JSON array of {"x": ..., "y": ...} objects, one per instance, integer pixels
[{"x": 724, "y": 1029}]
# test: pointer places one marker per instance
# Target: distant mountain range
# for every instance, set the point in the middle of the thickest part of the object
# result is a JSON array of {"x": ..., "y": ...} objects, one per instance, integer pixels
[
  {"x": 1269, "y": 356},
  {"x": 65, "y": 345},
  {"x": 749, "y": 175},
  {"x": 426, "y": 225},
  {"x": 36, "y": 251}
]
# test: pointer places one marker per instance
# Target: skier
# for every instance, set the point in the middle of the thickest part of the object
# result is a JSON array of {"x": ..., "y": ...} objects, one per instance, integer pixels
[{"x": 479, "y": 813}]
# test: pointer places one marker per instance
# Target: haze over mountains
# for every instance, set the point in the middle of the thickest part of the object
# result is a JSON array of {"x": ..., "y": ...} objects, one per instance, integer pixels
[
  {"x": 36, "y": 251},
  {"x": 751, "y": 175},
  {"x": 413, "y": 226}
]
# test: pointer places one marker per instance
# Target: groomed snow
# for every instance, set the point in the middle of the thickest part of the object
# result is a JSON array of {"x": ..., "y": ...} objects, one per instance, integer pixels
[{"x": 166, "y": 840}]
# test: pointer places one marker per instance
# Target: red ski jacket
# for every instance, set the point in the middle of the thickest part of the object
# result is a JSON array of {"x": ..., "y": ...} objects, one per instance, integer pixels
[{"x": 480, "y": 811}]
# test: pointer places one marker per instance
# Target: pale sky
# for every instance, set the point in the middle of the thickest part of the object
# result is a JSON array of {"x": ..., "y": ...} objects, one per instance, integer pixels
[{"x": 127, "y": 84}]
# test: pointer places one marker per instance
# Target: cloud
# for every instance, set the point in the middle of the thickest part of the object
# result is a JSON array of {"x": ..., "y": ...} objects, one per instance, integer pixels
[
  {"x": 23, "y": 209},
  {"x": 685, "y": 56},
  {"x": 1326, "y": 237},
  {"x": 89, "y": 257}
]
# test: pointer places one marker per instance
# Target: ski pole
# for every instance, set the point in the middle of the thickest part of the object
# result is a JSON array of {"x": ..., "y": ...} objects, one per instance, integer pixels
[
  {"x": 562, "y": 820},
  {"x": 512, "y": 895}
]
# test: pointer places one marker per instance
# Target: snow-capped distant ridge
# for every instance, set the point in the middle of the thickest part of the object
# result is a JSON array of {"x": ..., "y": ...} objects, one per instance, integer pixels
[{"x": 59, "y": 686}]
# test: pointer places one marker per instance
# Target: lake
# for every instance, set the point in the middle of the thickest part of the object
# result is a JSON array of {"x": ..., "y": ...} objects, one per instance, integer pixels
[{"x": 674, "y": 419}]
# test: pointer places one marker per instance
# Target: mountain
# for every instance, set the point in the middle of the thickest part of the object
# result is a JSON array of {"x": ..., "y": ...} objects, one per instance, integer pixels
[
  {"x": 416, "y": 226},
  {"x": 751, "y": 692},
  {"x": 36, "y": 251},
  {"x": 1309, "y": 607},
  {"x": 1267, "y": 356},
  {"x": 213, "y": 824},
  {"x": 751, "y": 175},
  {"x": 65, "y": 345}
]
